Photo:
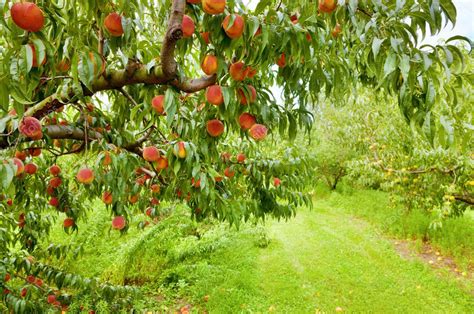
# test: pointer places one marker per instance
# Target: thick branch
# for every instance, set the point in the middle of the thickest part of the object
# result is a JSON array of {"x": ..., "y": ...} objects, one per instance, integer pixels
[
  {"x": 173, "y": 34},
  {"x": 194, "y": 85},
  {"x": 468, "y": 199}
]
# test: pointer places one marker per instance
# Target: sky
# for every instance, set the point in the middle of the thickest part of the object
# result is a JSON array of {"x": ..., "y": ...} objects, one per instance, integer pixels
[{"x": 464, "y": 25}]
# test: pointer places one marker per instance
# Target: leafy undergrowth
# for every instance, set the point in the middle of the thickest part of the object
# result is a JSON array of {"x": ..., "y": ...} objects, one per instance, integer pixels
[
  {"x": 321, "y": 260},
  {"x": 454, "y": 239}
]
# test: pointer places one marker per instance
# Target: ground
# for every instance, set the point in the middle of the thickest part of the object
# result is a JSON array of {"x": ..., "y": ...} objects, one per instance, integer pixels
[{"x": 329, "y": 258}]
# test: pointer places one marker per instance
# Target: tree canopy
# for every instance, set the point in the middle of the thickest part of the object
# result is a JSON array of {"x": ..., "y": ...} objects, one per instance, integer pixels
[{"x": 144, "y": 102}]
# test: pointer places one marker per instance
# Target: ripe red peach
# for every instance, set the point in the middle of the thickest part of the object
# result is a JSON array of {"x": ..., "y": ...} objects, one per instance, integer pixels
[
  {"x": 162, "y": 163},
  {"x": 27, "y": 16},
  {"x": 31, "y": 127},
  {"x": 158, "y": 103},
  {"x": 107, "y": 198},
  {"x": 210, "y": 65},
  {"x": 237, "y": 71},
  {"x": 250, "y": 72},
  {"x": 187, "y": 26},
  {"x": 276, "y": 182},
  {"x": 20, "y": 167},
  {"x": 54, "y": 202},
  {"x": 151, "y": 154},
  {"x": 68, "y": 222},
  {"x": 55, "y": 182},
  {"x": 155, "y": 188},
  {"x": 54, "y": 170},
  {"x": 282, "y": 60},
  {"x": 20, "y": 155},
  {"x": 213, "y": 6},
  {"x": 258, "y": 132},
  {"x": 327, "y": 6},
  {"x": 34, "y": 152},
  {"x": 113, "y": 24},
  {"x": 215, "y": 127},
  {"x": 229, "y": 173},
  {"x": 241, "y": 158},
  {"x": 31, "y": 168},
  {"x": 236, "y": 29},
  {"x": 118, "y": 222},
  {"x": 133, "y": 198},
  {"x": 250, "y": 91},
  {"x": 214, "y": 95},
  {"x": 85, "y": 176}
]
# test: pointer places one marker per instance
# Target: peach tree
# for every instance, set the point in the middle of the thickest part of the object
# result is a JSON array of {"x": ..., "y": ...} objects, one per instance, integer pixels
[{"x": 171, "y": 101}]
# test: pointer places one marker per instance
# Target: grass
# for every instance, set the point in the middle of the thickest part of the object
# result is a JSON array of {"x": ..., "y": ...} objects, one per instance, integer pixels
[{"x": 323, "y": 259}]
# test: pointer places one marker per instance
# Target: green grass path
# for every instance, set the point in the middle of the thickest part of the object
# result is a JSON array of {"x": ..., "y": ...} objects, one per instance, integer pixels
[{"x": 321, "y": 260}]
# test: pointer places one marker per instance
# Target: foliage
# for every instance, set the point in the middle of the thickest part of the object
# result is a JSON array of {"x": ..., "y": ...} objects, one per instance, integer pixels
[{"x": 77, "y": 88}]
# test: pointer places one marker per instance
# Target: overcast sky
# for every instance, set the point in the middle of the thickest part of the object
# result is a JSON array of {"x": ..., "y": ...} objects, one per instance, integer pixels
[{"x": 464, "y": 25}]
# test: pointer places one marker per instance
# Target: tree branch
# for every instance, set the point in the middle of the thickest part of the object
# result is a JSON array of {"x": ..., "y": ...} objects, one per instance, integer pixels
[
  {"x": 468, "y": 199},
  {"x": 173, "y": 34}
]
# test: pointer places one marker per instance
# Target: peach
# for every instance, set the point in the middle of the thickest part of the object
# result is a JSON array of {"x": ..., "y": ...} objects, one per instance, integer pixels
[
  {"x": 237, "y": 71},
  {"x": 68, "y": 222},
  {"x": 27, "y": 16},
  {"x": 107, "y": 198},
  {"x": 113, "y": 24},
  {"x": 35, "y": 60},
  {"x": 55, "y": 182},
  {"x": 196, "y": 183},
  {"x": 23, "y": 292},
  {"x": 151, "y": 154},
  {"x": 294, "y": 19},
  {"x": 308, "y": 37},
  {"x": 241, "y": 158},
  {"x": 181, "y": 150},
  {"x": 54, "y": 202},
  {"x": 118, "y": 222},
  {"x": 213, "y": 6},
  {"x": 162, "y": 163},
  {"x": 244, "y": 93},
  {"x": 226, "y": 156},
  {"x": 187, "y": 27},
  {"x": 20, "y": 155},
  {"x": 236, "y": 29},
  {"x": 133, "y": 198},
  {"x": 229, "y": 173},
  {"x": 258, "y": 132},
  {"x": 85, "y": 176},
  {"x": 50, "y": 190},
  {"x": 31, "y": 127},
  {"x": 31, "y": 168},
  {"x": 149, "y": 211},
  {"x": 51, "y": 298},
  {"x": 107, "y": 159},
  {"x": 38, "y": 282},
  {"x": 210, "y": 65},
  {"x": 336, "y": 31},
  {"x": 19, "y": 166},
  {"x": 327, "y": 6},
  {"x": 34, "y": 152},
  {"x": 155, "y": 201},
  {"x": 206, "y": 36},
  {"x": 281, "y": 62},
  {"x": 276, "y": 182},
  {"x": 215, "y": 127},
  {"x": 54, "y": 170},
  {"x": 214, "y": 95},
  {"x": 155, "y": 188},
  {"x": 158, "y": 103}
]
